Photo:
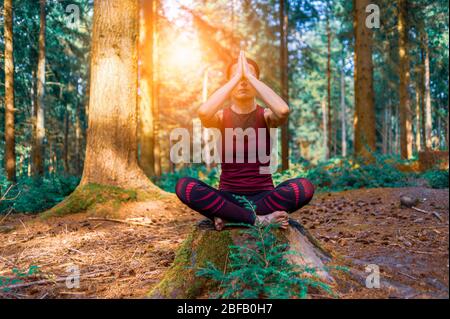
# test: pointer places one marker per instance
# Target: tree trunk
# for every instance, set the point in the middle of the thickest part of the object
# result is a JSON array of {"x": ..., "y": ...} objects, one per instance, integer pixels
[
  {"x": 66, "y": 141},
  {"x": 325, "y": 120},
  {"x": 10, "y": 144},
  {"x": 329, "y": 122},
  {"x": 418, "y": 121},
  {"x": 111, "y": 148},
  {"x": 427, "y": 106},
  {"x": 78, "y": 135},
  {"x": 283, "y": 20},
  {"x": 364, "y": 121},
  {"x": 39, "y": 134},
  {"x": 343, "y": 110},
  {"x": 404, "y": 69},
  {"x": 156, "y": 88},
  {"x": 206, "y": 244},
  {"x": 422, "y": 99},
  {"x": 146, "y": 130}
]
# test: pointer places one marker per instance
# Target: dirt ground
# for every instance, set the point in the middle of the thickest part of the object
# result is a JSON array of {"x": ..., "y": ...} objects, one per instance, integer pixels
[{"x": 125, "y": 259}]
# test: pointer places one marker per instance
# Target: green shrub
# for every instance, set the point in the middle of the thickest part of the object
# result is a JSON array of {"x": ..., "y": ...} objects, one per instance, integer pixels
[
  {"x": 437, "y": 178},
  {"x": 31, "y": 195}
]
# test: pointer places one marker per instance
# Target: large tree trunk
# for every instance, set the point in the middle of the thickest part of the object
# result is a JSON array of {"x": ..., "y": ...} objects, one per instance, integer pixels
[
  {"x": 10, "y": 144},
  {"x": 206, "y": 244},
  {"x": 146, "y": 130},
  {"x": 364, "y": 121},
  {"x": 111, "y": 150},
  {"x": 404, "y": 70},
  {"x": 283, "y": 20},
  {"x": 39, "y": 134}
]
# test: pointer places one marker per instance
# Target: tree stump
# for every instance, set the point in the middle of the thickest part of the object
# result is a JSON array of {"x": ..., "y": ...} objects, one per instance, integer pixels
[{"x": 204, "y": 244}]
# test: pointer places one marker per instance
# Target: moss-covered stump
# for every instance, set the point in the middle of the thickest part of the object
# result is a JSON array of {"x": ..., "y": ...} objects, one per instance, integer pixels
[{"x": 205, "y": 244}]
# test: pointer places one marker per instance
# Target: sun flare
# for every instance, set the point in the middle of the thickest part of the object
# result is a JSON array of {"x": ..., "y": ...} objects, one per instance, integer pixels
[{"x": 184, "y": 53}]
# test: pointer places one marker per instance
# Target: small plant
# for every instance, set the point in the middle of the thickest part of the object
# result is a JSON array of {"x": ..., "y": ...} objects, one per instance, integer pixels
[{"x": 259, "y": 268}]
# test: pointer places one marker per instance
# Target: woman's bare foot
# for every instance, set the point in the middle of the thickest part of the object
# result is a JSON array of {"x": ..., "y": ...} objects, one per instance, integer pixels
[
  {"x": 219, "y": 224},
  {"x": 279, "y": 217}
]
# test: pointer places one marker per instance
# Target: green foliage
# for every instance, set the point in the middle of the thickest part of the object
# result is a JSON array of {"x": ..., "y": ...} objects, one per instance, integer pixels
[
  {"x": 334, "y": 175},
  {"x": 168, "y": 180},
  {"x": 259, "y": 269},
  {"x": 437, "y": 178},
  {"x": 246, "y": 203},
  {"x": 338, "y": 174},
  {"x": 30, "y": 195}
]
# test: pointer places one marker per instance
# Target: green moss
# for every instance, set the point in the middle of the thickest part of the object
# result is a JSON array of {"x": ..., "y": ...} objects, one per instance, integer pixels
[
  {"x": 87, "y": 196},
  {"x": 143, "y": 195},
  {"x": 201, "y": 246}
]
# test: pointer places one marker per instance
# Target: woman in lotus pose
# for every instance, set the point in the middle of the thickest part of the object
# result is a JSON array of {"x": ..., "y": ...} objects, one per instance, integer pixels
[{"x": 272, "y": 204}]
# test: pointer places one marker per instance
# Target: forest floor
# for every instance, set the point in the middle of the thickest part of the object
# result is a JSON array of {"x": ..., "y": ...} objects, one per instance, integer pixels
[{"x": 125, "y": 259}]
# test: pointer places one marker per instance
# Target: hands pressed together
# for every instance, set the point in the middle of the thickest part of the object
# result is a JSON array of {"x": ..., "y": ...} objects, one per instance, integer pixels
[{"x": 243, "y": 69}]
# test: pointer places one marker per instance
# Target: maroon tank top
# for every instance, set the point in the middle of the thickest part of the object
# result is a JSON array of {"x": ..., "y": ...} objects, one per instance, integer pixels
[{"x": 242, "y": 174}]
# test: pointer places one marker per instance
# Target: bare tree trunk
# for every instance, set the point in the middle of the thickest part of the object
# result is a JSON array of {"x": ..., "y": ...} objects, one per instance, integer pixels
[
  {"x": 418, "y": 122},
  {"x": 111, "y": 150},
  {"x": 389, "y": 128},
  {"x": 156, "y": 87},
  {"x": 10, "y": 144},
  {"x": 66, "y": 141},
  {"x": 427, "y": 106},
  {"x": 404, "y": 69},
  {"x": 343, "y": 111},
  {"x": 364, "y": 121},
  {"x": 325, "y": 120},
  {"x": 385, "y": 130},
  {"x": 283, "y": 20},
  {"x": 39, "y": 134},
  {"x": 329, "y": 129},
  {"x": 146, "y": 129},
  {"x": 422, "y": 96},
  {"x": 78, "y": 136},
  {"x": 418, "y": 115}
]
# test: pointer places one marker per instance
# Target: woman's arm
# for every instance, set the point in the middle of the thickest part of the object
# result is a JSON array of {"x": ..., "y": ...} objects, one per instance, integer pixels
[
  {"x": 278, "y": 109},
  {"x": 209, "y": 111}
]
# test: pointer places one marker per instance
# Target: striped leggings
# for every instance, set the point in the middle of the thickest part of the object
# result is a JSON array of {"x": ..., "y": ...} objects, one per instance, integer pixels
[{"x": 288, "y": 196}]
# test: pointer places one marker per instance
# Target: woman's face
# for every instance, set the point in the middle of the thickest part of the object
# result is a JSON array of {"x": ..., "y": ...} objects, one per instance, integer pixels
[{"x": 243, "y": 90}]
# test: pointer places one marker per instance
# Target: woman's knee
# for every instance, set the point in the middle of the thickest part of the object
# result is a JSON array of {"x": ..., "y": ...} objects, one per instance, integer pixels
[
  {"x": 307, "y": 187},
  {"x": 184, "y": 187}
]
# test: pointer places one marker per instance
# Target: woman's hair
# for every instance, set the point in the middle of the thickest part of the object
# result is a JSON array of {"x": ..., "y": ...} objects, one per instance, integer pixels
[{"x": 250, "y": 61}]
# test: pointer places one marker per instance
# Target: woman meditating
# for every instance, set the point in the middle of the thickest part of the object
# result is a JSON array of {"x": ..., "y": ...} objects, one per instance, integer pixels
[{"x": 245, "y": 178}]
